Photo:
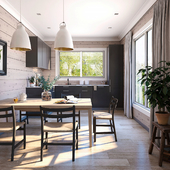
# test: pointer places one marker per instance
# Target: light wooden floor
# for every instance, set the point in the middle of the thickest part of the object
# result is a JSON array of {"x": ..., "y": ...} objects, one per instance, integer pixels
[{"x": 129, "y": 153}]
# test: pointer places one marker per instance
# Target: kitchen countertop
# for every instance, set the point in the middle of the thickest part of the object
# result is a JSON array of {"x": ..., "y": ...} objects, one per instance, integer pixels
[
  {"x": 74, "y": 85},
  {"x": 84, "y": 85}
]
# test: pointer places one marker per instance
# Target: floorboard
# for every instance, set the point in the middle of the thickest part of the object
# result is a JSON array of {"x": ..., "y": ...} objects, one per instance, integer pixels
[{"x": 130, "y": 152}]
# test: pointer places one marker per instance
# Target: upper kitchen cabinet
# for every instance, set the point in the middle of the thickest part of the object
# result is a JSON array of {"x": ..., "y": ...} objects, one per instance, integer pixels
[
  {"x": 116, "y": 72},
  {"x": 40, "y": 55}
]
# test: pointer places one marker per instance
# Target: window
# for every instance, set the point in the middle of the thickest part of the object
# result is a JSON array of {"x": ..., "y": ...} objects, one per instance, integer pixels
[
  {"x": 82, "y": 64},
  {"x": 69, "y": 64},
  {"x": 143, "y": 53}
]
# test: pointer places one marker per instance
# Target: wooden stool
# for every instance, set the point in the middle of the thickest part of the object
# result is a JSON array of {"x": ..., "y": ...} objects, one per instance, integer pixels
[{"x": 164, "y": 135}]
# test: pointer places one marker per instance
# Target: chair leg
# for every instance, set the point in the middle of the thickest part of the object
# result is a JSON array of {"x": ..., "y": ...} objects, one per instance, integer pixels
[
  {"x": 114, "y": 130},
  {"x": 57, "y": 118},
  {"x": 168, "y": 142},
  {"x": 20, "y": 116},
  {"x": 27, "y": 120},
  {"x": 46, "y": 137},
  {"x": 73, "y": 149},
  {"x": 42, "y": 144},
  {"x": 111, "y": 126},
  {"x": 94, "y": 128},
  {"x": 24, "y": 130},
  {"x": 61, "y": 118},
  {"x": 13, "y": 146},
  {"x": 79, "y": 118},
  {"x": 93, "y": 124},
  {"x": 77, "y": 138}
]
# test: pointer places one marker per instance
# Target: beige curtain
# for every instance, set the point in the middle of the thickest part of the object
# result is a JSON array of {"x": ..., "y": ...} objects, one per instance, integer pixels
[
  {"x": 128, "y": 76},
  {"x": 160, "y": 39}
]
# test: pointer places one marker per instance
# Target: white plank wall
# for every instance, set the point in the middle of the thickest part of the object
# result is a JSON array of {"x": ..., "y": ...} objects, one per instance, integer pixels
[{"x": 15, "y": 82}]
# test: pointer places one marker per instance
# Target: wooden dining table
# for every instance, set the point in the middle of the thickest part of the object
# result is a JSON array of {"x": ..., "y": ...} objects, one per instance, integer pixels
[{"x": 33, "y": 104}]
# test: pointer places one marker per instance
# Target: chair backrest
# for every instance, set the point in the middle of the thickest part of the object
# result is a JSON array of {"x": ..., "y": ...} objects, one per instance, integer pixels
[
  {"x": 78, "y": 95},
  {"x": 11, "y": 114},
  {"x": 44, "y": 110},
  {"x": 113, "y": 105}
]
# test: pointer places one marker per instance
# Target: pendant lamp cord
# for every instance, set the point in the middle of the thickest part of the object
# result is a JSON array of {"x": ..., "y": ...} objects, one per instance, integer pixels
[
  {"x": 63, "y": 11},
  {"x": 20, "y": 10}
]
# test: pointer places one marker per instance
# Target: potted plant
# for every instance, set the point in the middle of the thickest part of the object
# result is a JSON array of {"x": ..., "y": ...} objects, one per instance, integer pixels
[
  {"x": 157, "y": 82},
  {"x": 47, "y": 85},
  {"x": 32, "y": 81}
]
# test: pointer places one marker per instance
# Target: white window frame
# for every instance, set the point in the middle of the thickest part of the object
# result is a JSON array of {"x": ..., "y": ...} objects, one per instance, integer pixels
[
  {"x": 136, "y": 36},
  {"x": 105, "y": 59}
]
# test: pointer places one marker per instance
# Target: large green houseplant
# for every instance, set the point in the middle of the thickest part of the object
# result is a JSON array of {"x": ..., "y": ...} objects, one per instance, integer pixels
[
  {"x": 47, "y": 85},
  {"x": 157, "y": 82}
]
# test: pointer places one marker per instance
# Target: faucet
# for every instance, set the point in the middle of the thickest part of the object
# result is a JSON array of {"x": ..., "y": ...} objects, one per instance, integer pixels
[{"x": 68, "y": 82}]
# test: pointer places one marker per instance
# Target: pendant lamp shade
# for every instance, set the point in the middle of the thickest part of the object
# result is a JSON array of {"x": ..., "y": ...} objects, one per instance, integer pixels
[
  {"x": 20, "y": 39},
  {"x": 63, "y": 40}
]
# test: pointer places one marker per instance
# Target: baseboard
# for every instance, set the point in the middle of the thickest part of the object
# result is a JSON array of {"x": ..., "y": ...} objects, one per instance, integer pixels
[{"x": 144, "y": 126}]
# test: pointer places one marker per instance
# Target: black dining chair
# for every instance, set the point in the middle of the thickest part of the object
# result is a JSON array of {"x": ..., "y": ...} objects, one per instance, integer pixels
[
  {"x": 106, "y": 116},
  {"x": 58, "y": 127},
  {"x": 12, "y": 127}
]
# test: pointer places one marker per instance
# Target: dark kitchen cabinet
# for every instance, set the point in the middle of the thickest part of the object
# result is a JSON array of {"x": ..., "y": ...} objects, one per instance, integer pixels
[
  {"x": 101, "y": 97},
  {"x": 40, "y": 55},
  {"x": 83, "y": 91},
  {"x": 86, "y": 92},
  {"x": 115, "y": 63},
  {"x": 35, "y": 92}
]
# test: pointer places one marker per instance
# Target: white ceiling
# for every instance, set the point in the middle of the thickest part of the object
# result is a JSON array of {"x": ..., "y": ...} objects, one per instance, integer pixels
[{"x": 88, "y": 19}]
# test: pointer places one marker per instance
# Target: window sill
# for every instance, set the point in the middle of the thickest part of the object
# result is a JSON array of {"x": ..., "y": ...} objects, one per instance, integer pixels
[
  {"x": 142, "y": 109},
  {"x": 83, "y": 78}
]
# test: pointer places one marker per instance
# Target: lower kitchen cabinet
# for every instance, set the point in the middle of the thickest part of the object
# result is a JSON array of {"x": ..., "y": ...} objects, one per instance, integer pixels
[
  {"x": 35, "y": 92},
  {"x": 82, "y": 91},
  {"x": 86, "y": 92},
  {"x": 101, "y": 97}
]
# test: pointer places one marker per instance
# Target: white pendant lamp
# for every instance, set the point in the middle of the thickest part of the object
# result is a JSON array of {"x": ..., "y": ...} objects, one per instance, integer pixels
[
  {"x": 20, "y": 39},
  {"x": 63, "y": 40}
]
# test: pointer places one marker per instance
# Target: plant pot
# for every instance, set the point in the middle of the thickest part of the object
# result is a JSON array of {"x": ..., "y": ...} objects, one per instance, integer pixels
[
  {"x": 32, "y": 85},
  {"x": 46, "y": 96},
  {"x": 162, "y": 117}
]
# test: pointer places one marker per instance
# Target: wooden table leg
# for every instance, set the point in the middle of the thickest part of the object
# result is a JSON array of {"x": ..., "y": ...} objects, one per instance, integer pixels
[
  {"x": 152, "y": 140},
  {"x": 161, "y": 148},
  {"x": 90, "y": 126}
]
